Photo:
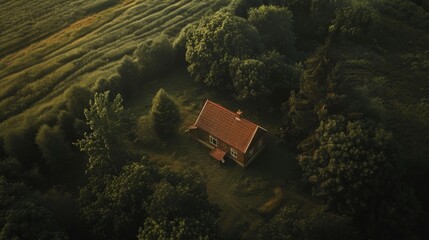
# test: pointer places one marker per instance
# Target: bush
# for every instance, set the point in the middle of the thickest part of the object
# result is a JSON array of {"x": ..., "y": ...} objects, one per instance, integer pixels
[
  {"x": 165, "y": 114},
  {"x": 155, "y": 56},
  {"x": 275, "y": 27},
  {"x": 179, "y": 45},
  {"x": 19, "y": 143},
  {"x": 128, "y": 72},
  {"x": 55, "y": 150},
  {"x": 291, "y": 222},
  {"x": 77, "y": 99}
]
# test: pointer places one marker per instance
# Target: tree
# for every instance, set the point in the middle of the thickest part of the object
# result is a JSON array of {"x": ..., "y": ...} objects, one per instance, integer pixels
[
  {"x": 77, "y": 99},
  {"x": 353, "y": 22},
  {"x": 108, "y": 122},
  {"x": 55, "y": 150},
  {"x": 155, "y": 56},
  {"x": 291, "y": 222},
  {"x": 178, "y": 228},
  {"x": 351, "y": 165},
  {"x": 243, "y": 6},
  {"x": 275, "y": 24},
  {"x": 284, "y": 77},
  {"x": 179, "y": 209},
  {"x": 214, "y": 42},
  {"x": 22, "y": 217},
  {"x": 19, "y": 143},
  {"x": 128, "y": 72},
  {"x": 165, "y": 114},
  {"x": 179, "y": 45},
  {"x": 250, "y": 79},
  {"x": 118, "y": 209}
]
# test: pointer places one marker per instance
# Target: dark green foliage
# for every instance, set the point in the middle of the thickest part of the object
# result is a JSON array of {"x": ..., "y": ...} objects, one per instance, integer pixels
[
  {"x": 410, "y": 12},
  {"x": 351, "y": 163},
  {"x": 118, "y": 209},
  {"x": 322, "y": 13},
  {"x": 19, "y": 143},
  {"x": 143, "y": 197},
  {"x": 102, "y": 85},
  {"x": 129, "y": 76},
  {"x": 23, "y": 217},
  {"x": 179, "y": 45},
  {"x": 275, "y": 25},
  {"x": 77, "y": 99},
  {"x": 353, "y": 22},
  {"x": 11, "y": 169},
  {"x": 108, "y": 122},
  {"x": 243, "y": 7},
  {"x": 214, "y": 42},
  {"x": 55, "y": 150},
  {"x": 250, "y": 79},
  {"x": 65, "y": 123},
  {"x": 165, "y": 114},
  {"x": 30, "y": 221},
  {"x": 291, "y": 222},
  {"x": 352, "y": 166},
  {"x": 155, "y": 56},
  {"x": 178, "y": 228},
  {"x": 283, "y": 78},
  {"x": 179, "y": 209},
  {"x": 321, "y": 93}
]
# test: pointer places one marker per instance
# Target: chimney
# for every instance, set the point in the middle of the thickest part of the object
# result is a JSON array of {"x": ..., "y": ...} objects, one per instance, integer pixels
[{"x": 239, "y": 113}]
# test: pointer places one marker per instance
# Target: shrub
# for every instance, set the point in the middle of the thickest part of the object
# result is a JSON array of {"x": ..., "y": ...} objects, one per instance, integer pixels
[
  {"x": 155, "y": 56},
  {"x": 54, "y": 148},
  {"x": 275, "y": 27},
  {"x": 77, "y": 99},
  {"x": 128, "y": 72},
  {"x": 19, "y": 143}
]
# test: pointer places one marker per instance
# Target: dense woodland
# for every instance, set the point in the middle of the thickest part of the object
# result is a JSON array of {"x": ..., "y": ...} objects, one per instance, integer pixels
[{"x": 342, "y": 85}]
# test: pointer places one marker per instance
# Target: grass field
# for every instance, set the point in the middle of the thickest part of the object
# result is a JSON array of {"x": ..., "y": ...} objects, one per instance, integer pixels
[{"x": 48, "y": 46}]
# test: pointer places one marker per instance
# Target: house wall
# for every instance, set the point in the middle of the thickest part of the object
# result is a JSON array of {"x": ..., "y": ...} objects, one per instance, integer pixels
[
  {"x": 260, "y": 135},
  {"x": 204, "y": 137}
]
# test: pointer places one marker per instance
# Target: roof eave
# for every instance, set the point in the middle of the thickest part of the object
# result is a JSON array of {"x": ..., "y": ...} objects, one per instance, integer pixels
[{"x": 199, "y": 115}]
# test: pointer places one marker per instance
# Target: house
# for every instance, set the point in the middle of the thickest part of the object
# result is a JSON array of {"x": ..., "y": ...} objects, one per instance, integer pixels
[{"x": 228, "y": 134}]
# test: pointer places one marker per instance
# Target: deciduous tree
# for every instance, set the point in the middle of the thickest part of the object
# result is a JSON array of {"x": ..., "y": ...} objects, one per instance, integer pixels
[
  {"x": 108, "y": 122},
  {"x": 155, "y": 56},
  {"x": 275, "y": 25},
  {"x": 214, "y": 42}
]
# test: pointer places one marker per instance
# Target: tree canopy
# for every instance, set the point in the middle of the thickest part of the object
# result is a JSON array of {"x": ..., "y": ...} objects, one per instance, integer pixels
[
  {"x": 214, "y": 42},
  {"x": 108, "y": 121},
  {"x": 275, "y": 25},
  {"x": 155, "y": 56},
  {"x": 351, "y": 165},
  {"x": 250, "y": 79}
]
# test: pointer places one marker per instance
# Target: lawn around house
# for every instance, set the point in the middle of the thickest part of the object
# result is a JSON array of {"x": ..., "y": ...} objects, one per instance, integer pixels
[{"x": 244, "y": 195}]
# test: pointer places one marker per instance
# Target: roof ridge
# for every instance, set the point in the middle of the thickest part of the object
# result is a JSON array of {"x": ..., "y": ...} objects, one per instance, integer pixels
[{"x": 231, "y": 112}]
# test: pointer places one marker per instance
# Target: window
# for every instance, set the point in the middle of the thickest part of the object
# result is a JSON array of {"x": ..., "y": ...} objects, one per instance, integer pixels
[
  {"x": 233, "y": 153},
  {"x": 213, "y": 140},
  {"x": 251, "y": 152},
  {"x": 260, "y": 143}
]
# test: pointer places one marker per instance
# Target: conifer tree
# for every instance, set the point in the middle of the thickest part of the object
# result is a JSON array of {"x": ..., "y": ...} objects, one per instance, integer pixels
[{"x": 165, "y": 114}]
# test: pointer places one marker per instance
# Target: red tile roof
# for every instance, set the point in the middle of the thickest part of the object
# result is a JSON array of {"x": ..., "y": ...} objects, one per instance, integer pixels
[{"x": 226, "y": 126}]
